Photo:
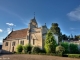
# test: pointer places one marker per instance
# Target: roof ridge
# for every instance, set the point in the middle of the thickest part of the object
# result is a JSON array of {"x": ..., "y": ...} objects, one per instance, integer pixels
[{"x": 21, "y": 29}]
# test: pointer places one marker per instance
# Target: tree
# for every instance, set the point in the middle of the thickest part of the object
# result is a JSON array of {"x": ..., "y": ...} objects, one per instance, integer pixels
[
  {"x": 64, "y": 37},
  {"x": 19, "y": 48},
  {"x": 56, "y": 30},
  {"x": 66, "y": 46},
  {"x": 77, "y": 37},
  {"x": 73, "y": 48},
  {"x": 71, "y": 37},
  {"x": 60, "y": 49},
  {"x": 50, "y": 43}
]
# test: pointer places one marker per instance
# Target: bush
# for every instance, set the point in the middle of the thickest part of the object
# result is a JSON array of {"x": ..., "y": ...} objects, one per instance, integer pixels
[
  {"x": 19, "y": 48},
  {"x": 73, "y": 48},
  {"x": 66, "y": 46},
  {"x": 74, "y": 55},
  {"x": 43, "y": 51},
  {"x": 35, "y": 50},
  {"x": 27, "y": 48},
  {"x": 60, "y": 50}
]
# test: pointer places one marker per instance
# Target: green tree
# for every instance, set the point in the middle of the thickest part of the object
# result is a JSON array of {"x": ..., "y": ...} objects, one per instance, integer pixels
[
  {"x": 77, "y": 37},
  {"x": 73, "y": 48},
  {"x": 50, "y": 43},
  {"x": 60, "y": 49},
  {"x": 66, "y": 46},
  {"x": 56, "y": 30},
  {"x": 19, "y": 48},
  {"x": 64, "y": 37}
]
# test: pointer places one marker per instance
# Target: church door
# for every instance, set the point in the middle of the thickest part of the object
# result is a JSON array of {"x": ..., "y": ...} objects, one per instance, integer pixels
[{"x": 13, "y": 49}]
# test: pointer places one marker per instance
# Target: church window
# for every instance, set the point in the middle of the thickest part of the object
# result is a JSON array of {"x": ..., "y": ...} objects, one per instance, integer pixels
[
  {"x": 22, "y": 42},
  {"x": 33, "y": 41},
  {"x": 6, "y": 44},
  {"x": 13, "y": 44}
]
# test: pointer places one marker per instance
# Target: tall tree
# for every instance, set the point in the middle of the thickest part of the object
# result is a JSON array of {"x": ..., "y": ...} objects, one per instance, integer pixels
[
  {"x": 50, "y": 43},
  {"x": 56, "y": 30}
]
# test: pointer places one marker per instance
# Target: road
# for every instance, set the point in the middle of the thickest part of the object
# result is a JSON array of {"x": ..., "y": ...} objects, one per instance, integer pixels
[{"x": 33, "y": 57}]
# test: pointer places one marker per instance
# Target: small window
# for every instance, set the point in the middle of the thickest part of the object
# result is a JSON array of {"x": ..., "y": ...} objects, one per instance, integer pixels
[
  {"x": 6, "y": 44},
  {"x": 22, "y": 42},
  {"x": 13, "y": 44},
  {"x": 33, "y": 41}
]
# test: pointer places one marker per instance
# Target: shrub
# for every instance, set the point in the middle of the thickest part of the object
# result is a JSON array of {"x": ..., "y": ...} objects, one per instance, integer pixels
[
  {"x": 35, "y": 50},
  {"x": 73, "y": 48},
  {"x": 27, "y": 48},
  {"x": 19, "y": 48},
  {"x": 66, "y": 46},
  {"x": 60, "y": 50},
  {"x": 74, "y": 55}
]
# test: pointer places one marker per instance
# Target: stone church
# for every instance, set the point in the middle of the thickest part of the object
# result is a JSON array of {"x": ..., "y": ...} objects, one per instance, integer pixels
[{"x": 33, "y": 35}]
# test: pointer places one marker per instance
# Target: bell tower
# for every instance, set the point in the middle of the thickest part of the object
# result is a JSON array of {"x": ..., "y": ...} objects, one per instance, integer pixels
[{"x": 33, "y": 23}]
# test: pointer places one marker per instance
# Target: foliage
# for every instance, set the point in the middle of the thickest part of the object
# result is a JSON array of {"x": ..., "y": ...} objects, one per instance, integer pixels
[
  {"x": 74, "y": 55},
  {"x": 73, "y": 48},
  {"x": 19, "y": 48},
  {"x": 50, "y": 43},
  {"x": 64, "y": 37},
  {"x": 60, "y": 49},
  {"x": 66, "y": 46},
  {"x": 35, "y": 50},
  {"x": 27, "y": 48},
  {"x": 56, "y": 30}
]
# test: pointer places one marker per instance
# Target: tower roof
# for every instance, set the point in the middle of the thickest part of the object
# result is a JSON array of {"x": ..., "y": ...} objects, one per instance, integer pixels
[{"x": 33, "y": 20}]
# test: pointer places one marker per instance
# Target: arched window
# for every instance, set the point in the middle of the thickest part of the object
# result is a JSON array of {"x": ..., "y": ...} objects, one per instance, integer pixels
[
  {"x": 13, "y": 43},
  {"x": 33, "y": 41},
  {"x": 22, "y": 42},
  {"x": 6, "y": 44}
]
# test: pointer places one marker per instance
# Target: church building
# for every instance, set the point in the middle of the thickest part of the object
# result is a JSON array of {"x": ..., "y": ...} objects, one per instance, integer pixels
[{"x": 33, "y": 35}]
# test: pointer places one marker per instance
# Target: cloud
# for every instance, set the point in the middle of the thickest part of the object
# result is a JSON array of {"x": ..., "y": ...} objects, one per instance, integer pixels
[
  {"x": 0, "y": 41},
  {"x": 74, "y": 28},
  {"x": 75, "y": 14},
  {"x": 8, "y": 30},
  {"x": 10, "y": 24},
  {"x": 1, "y": 30}
]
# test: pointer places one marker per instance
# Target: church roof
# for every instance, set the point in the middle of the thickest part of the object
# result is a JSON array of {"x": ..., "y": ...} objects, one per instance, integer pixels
[{"x": 17, "y": 34}]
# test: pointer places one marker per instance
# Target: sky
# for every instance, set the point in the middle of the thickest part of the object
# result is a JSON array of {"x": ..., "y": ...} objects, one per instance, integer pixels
[{"x": 17, "y": 14}]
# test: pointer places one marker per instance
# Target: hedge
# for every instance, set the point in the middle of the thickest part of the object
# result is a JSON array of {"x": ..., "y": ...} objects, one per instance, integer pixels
[{"x": 74, "y": 55}]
